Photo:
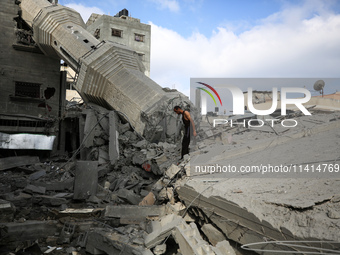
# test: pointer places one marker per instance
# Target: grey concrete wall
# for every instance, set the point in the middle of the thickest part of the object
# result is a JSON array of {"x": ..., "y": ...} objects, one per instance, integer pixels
[
  {"x": 129, "y": 27},
  {"x": 24, "y": 66}
]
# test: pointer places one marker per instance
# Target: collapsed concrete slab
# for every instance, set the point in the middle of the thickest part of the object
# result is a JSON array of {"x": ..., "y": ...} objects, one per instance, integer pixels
[{"x": 260, "y": 211}]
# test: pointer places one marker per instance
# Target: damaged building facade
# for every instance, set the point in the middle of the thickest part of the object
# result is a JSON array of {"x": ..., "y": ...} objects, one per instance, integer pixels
[{"x": 32, "y": 86}]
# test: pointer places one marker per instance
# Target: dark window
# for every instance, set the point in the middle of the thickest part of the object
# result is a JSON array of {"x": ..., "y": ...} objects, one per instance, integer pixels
[
  {"x": 27, "y": 89},
  {"x": 116, "y": 32},
  {"x": 97, "y": 33},
  {"x": 139, "y": 38}
]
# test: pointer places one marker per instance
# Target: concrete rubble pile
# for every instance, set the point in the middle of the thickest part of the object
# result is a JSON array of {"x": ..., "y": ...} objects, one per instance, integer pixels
[
  {"x": 106, "y": 197},
  {"x": 121, "y": 194}
]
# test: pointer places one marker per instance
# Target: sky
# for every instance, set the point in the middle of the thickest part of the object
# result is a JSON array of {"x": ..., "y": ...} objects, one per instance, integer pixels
[{"x": 234, "y": 39}]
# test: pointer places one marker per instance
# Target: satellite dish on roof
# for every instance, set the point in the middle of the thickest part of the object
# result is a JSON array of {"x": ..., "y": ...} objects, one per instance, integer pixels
[{"x": 319, "y": 85}]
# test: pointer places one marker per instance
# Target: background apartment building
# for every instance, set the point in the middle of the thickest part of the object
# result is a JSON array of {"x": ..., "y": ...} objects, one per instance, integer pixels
[{"x": 124, "y": 30}]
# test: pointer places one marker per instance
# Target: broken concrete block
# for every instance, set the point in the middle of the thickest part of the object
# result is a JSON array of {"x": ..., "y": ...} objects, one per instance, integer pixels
[
  {"x": 149, "y": 199},
  {"x": 213, "y": 234},
  {"x": 113, "y": 143},
  {"x": 10, "y": 162},
  {"x": 161, "y": 229},
  {"x": 35, "y": 189},
  {"x": 129, "y": 196},
  {"x": 172, "y": 171},
  {"x": 224, "y": 248},
  {"x": 190, "y": 240},
  {"x": 86, "y": 179}
]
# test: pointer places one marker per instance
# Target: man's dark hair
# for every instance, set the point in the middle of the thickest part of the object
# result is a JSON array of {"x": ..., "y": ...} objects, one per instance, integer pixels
[{"x": 177, "y": 107}]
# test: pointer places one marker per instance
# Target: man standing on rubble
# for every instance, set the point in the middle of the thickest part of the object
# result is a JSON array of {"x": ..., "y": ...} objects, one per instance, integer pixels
[{"x": 187, "y": 120}]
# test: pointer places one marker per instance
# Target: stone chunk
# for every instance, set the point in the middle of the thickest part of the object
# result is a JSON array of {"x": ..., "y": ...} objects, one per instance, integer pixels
[{"x": 149, "y": 199}]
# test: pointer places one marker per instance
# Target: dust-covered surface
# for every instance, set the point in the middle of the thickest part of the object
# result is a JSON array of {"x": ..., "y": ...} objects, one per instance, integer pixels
[{"x": 259, "y": 200}]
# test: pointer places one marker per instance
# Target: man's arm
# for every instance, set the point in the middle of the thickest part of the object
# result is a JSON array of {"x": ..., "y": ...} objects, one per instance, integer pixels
[{"x": 187, "y": 115}]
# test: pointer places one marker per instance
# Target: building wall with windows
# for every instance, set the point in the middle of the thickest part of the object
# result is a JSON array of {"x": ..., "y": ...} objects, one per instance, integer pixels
[
  {"x": 30, "y": 82},
  {"x": 124, "y": 30}
]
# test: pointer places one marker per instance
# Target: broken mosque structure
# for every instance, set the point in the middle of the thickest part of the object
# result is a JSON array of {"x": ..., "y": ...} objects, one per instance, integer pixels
[{"x": 122, "y": 189}]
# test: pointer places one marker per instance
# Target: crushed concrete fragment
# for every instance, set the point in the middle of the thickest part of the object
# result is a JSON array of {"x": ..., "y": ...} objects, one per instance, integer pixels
[{"x": 213, "y": 234}]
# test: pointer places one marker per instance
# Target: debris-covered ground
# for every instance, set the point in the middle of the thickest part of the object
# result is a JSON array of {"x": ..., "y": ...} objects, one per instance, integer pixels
[{"x": 121, "y": 194}]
